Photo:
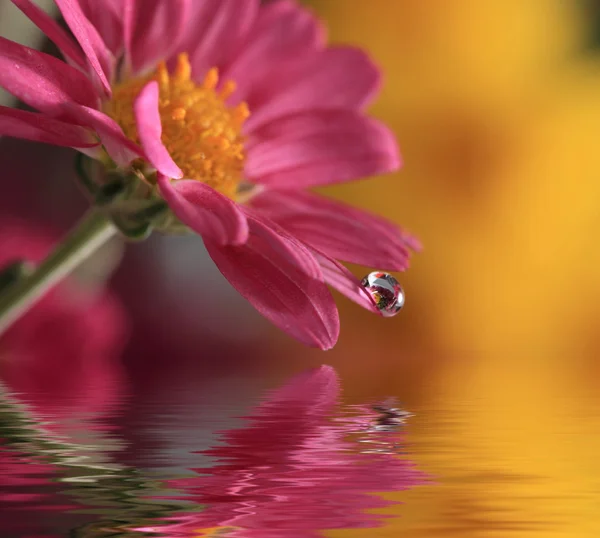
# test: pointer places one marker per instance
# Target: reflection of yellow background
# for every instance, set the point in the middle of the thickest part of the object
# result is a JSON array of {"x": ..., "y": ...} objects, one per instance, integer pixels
[{"x": 497, "y": 109}]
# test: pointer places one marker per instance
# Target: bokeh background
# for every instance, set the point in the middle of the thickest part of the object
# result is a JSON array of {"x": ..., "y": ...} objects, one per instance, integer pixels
[{"x": 496, "y": 105}]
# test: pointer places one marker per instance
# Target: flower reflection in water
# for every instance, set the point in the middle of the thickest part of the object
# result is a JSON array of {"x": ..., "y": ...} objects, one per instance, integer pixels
[
  {"x": 300, "y": 465},
  {"x": 25, "y": 482},
  {"x": 52, "y": 487}
]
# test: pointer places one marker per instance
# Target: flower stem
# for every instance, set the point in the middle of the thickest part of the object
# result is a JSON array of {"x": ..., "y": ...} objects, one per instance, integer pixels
[{"x": 90, "y": 234}]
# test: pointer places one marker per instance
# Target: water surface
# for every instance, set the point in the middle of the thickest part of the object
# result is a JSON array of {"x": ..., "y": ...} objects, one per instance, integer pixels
[{"x": 487, "y": 453}]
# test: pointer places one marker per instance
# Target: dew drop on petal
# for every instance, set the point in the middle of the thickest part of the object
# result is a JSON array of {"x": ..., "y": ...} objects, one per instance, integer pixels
[{"x": 385, "y": 291}]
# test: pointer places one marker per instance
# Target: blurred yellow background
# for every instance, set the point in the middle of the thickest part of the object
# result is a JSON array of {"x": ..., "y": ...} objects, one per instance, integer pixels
[{"x": 496, "y": 105}]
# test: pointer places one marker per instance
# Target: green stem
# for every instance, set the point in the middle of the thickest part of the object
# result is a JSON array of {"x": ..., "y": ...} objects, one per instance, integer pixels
[{"x": 90, "y": 234}]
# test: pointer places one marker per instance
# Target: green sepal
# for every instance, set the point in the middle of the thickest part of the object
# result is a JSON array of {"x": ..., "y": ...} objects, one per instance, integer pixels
[
  {"x": 82, "y": 174},
  {"x": 13, "y": 272},
  {"x": 109, "y": 192},
  {"x": 133, "y": 231}
]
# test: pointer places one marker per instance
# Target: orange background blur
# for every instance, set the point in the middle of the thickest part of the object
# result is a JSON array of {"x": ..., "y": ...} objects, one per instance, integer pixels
[{"x": 496, "y": 105}]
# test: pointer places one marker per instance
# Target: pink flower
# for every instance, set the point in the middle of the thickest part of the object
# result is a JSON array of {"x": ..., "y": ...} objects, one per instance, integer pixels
[
  {"x": 294, "y": 469},
  {"x": 63, "y": 353},
  {"x": 228, "y": 110}
]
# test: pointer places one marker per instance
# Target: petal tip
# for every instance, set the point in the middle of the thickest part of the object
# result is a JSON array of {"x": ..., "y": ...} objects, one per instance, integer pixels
[
  {"x": 327, "y": 344},
  {"x": 149, "y": 125},
  {"x": 396, "y": 161}
]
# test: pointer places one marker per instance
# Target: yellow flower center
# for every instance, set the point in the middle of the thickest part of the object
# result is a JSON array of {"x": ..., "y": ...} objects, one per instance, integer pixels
[{"x": 201, "y": 133}]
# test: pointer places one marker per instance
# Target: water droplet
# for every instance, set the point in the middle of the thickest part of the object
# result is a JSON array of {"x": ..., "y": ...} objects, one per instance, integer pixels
[{"x": 385, "y": 291}]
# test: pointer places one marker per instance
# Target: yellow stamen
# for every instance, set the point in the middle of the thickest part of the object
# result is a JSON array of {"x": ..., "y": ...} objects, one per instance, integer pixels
[
  {"x": 162, "y": 75},
  {"x": 183, "y": 69},
  {"x": 241, "y": 112},
  {"x": 211, "y": 79},
  {"x": 179, "y": 113},
  {"x": 201, "y": 133},
  {"x": 228, "y": 89}
]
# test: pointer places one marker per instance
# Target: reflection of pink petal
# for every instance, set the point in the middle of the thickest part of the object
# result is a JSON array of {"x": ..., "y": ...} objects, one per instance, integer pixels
[{"x": 294, "y": 468}]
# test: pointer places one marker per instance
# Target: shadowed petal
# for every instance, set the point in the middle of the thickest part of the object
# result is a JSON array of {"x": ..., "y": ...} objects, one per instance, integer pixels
[
  {"x": 337, "y": 78},
  {"x": 201, "y": 16},
  {"x": 117, "y": 145},
  {"x": 41, "y": 81},
  {"x": 155, "y": 31},
  {"x": 338, "y": 230},
  {"x": 41, "y": 128},
  {"x": 107, "y": 17},
  {"x": 149, "y": 128},
  {"x": 283, "y": 30},
  {"x": 97, "y": 53},
  {"x": 69, "y": 48},
  {"x": 325, "y": 153},
  {"x": 282, "y": 280},
  {"x": 206, "y": 211},
  {"x": 218, "y": 29}
]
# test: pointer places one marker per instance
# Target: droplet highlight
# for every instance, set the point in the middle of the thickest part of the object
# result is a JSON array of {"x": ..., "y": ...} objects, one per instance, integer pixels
[{"x": 385, "y": 291}]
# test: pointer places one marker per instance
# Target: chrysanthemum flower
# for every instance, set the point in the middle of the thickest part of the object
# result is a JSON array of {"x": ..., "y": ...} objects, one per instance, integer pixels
[{"x": 228, "y": 110}]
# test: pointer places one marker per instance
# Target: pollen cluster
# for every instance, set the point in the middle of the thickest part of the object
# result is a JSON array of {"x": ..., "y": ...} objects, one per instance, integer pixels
[{"x": 201, "y": 133}]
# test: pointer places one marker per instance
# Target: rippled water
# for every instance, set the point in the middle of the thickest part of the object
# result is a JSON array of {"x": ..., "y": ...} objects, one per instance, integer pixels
[
  {"x": 246, "y": 457},
  {"x": 290, "y": 463}
]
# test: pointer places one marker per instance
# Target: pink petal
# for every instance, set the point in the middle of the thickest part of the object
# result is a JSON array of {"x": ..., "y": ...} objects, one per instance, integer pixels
[
  {"x": 201, "y": 16},
  {"x": 338, "y": 230},
  {"x": 276, "y": 274},
  {"x": 316, "y": 389},
  {"x": 41, "y": 128},
  {"x": 69, "y": 48},
  {"x": 129, "y": 28},
  {"x": 149, "y": 127},
  {"x": 351, "y": 146},
  {"x": 217, "y": 29},
  {"x": 97, "y": 53},
  {"x": 41, "y": 81},
  {"x": 106, "y": 16},
  {"x": 337, "y": 78},
  {"x": 341, "y": 279},
  {"x": 117, "y": 145},
  {"x": 307, "y": 124},
  {"x": 206, "y": 211},
  {"x": 155, "y": 30},
  {"x": 283, "y": 31}
]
